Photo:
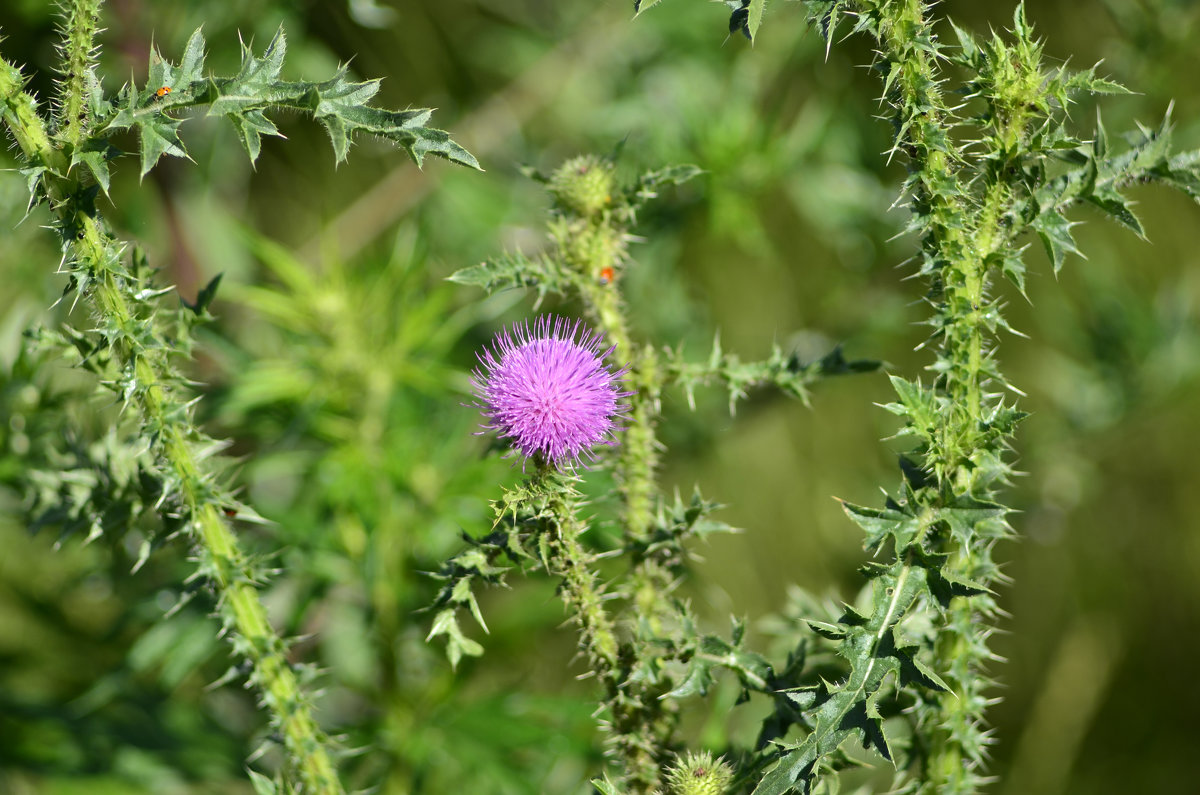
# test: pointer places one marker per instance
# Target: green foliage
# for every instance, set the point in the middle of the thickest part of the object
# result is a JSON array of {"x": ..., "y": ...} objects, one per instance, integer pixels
[
  {"x": 134, "y": 347},
  {"x": 784, "y": 371},
  {"x": 970, "y": 205},
  {"x": 339, "y": 382},
  {"x": 339, "y": 104}
]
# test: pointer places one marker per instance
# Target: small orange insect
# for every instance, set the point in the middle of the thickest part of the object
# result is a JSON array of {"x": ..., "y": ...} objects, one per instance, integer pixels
[
  {"x": 607, "y": 275},
  {"x": 162, "y": 92}
]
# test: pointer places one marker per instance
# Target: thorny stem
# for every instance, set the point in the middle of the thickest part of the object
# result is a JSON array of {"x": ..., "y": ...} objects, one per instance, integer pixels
[
  {"x": 638, "y": 456},
  {"x": 636, "y": 749},
  {"x": 960, "y": 241},
  {"x": 79, "y": 28},
  {"x": 97, "y": 255},
  {"x": 648, "y": 725}
]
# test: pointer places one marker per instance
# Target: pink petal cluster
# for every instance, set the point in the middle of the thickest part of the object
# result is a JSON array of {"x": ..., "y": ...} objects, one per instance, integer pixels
[{"x": 545, "y": 387}]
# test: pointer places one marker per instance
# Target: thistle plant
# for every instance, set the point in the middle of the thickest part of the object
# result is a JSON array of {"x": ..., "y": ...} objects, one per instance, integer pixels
[
  {"x": 638, "y": 637},
  {"x": 353, "y": 395},
  {"x": 1000, "y": 165},
  {"x": 136, "y": 346},
  {"x": 984, "y": 173}
]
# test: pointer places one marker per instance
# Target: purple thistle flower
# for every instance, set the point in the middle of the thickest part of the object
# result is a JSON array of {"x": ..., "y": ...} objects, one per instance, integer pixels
[{"x": 546, "y": 388}]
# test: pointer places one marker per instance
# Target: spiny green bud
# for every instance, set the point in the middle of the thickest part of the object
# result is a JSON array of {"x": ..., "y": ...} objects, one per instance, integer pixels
[
  {"x": 699, "y": 774},
  {"x": 583, "y": 185}
]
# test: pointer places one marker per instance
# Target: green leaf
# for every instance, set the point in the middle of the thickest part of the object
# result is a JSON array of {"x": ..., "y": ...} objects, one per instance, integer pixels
[
  {"x": 205, "y": 297},
  {"x": 159, "y": 135},
  {"x": 642, "y": 5},
  {"x": 190, "y": 70},
  {"x": 1055, "y": 231},
  {"x": 517, "y": 270},
  {"x": 262, "y": 784},
  {"x": 605, "y": 786},
  {"x": 848, "y": 709},
  {"x": 457, "y": 644},
  {"x": 754, "y": 15},
  {"x": 251, "y": 126},
  {"x": 1117, "y": 207},
  {"x": 880, "y": 524},
  {"x": 94, "y": 155},
  {"x": 339, "y": 103},
  {"x": 711, "y": 651}
]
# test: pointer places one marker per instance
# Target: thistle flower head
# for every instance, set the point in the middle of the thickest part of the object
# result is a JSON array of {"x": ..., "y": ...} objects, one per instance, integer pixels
[{"x": 546, "y": 388}]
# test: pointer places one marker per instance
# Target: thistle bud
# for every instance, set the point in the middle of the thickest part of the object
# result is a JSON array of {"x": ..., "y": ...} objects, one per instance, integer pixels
[
  {"x": 699, "y": 774},
  {"x": 583, "y": 185}
]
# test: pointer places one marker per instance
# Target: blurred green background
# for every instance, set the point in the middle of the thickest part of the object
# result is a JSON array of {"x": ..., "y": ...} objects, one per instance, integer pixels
[{"x": 338, "y": 362}]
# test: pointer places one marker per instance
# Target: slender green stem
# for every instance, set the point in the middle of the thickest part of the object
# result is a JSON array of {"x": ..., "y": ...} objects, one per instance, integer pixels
[
  {"x": 644, "y": 722},
  {"x": 632, "y": 735},
  {"x": 639, "y": 453},
  {"x": 153, "y": 390},
  {"x": 78, "y": 47},
  {"x": 225, "y": 564}
]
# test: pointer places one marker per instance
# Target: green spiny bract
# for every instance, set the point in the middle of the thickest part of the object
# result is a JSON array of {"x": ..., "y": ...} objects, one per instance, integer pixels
[{"x": 699, "y": 774}]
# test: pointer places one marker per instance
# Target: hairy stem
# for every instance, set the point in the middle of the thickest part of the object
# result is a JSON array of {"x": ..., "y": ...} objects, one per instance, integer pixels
[
  {"x": 78, "y": 47},
  {"x": 958, "y": 241},
  {"x": 153, "y": 388},
  {"x": 24, "y": 124},
  {"x": 631, "y": 729},
  {"x": 638, "y": 456},
  {"x": 646, "y": 726},
  {"x": 225, "y": 564}
]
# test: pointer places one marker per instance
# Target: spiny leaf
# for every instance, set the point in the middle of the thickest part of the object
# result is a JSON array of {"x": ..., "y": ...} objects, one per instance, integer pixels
[
  {"x": 94, "y": 155},
  {"x": 642, "y": 5},
  {"x": 517, "y": 270},
  {"x": 339, "y": 103},
  {"x": 190, "y": 70},
  {"x": 1055, "y": 231},
  {"x": 1117, "y": 207},
  {"x": 251, "y": 126},
  {"x": 205, "y": 297},
  {"x": 159, "y": 136},
  {"x": 754, "y": 13},
  {"x": 848, "y": 709},
  {"x": 710, "y": 652},
  {"x": 880, "y": 524},
  {"x": 739, "y": 20}
]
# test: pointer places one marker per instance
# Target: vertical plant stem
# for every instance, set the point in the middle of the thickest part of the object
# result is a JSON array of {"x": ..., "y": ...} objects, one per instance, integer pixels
[
  {"x": 631, "y": 737},
  {"x": 958, "y": 241},
  {"x": 648, "y": 721},
  {"x": 638, "y": 456},
  {"x": 79, "y": 35},
  {"x": 222, "y": 561},
  {"x": 152, "y": 388}
]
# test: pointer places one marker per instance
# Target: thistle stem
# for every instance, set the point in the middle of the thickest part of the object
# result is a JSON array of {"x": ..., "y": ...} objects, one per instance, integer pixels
[
  {"x": 222, "y": 560},
  {"x": 634, "y": 746},
  {"x": 79, "y": 34},
  {"x": 960, "y": 240},
  {"x": 151, "y": 389}
]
